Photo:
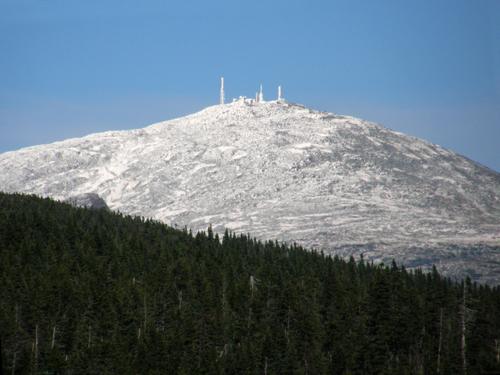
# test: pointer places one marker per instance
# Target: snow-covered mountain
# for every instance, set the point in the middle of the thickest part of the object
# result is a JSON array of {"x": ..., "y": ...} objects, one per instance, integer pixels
[{"x": 282, "y": 171}]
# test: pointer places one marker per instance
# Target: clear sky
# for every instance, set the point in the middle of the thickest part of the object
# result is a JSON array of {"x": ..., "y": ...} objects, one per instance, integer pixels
[{"x": 429, "y": 68}]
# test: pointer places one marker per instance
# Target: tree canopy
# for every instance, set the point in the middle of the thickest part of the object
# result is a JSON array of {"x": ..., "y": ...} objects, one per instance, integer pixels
[{"x": 96, "y": 292}]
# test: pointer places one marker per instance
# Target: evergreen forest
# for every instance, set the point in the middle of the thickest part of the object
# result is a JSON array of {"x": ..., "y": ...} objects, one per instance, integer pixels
[{"x": 96, "y": 292}]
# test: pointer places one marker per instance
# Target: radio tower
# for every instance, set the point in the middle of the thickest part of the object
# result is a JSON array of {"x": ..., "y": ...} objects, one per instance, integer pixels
[
  {"x": 280, "y": 92},
  {"x": 221, "y": 90}
]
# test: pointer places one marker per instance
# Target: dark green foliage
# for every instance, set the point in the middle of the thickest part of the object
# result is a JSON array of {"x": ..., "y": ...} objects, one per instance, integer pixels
[{"x": 95, "y": 292}]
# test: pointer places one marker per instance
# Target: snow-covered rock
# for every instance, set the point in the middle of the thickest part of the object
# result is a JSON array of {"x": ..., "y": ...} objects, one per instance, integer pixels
[
  {"x": 88, "y": 200},
  {"x": 282, "y": 171}
]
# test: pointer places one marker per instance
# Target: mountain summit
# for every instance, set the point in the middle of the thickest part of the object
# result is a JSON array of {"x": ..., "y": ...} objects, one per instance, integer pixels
[{"x": 282, "y": 171}]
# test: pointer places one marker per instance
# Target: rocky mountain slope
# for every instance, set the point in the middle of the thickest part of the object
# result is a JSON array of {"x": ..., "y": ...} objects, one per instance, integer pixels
[
  {"x": 282, "y": 171},
  {"x": 88, "y": 200}
]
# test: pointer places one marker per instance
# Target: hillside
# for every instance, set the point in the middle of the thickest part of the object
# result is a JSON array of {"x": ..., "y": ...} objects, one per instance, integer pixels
[
  {"x": 283, "y": 171},
  {"x": 95, "y": 292}
]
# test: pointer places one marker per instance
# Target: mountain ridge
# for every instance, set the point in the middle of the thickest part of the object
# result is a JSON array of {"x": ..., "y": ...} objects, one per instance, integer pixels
[{"x": 282, "y": 171}]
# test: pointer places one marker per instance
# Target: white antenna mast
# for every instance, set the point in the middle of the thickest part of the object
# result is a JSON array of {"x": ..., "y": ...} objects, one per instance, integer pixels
[
  {"x": 279, "y": 93},
  {"x": 261, "y": 94},
  {"x": 221, "y": 90}
]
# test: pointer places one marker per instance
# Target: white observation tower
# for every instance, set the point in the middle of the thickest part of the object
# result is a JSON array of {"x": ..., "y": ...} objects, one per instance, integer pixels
[{"x": 221, "y": 100}]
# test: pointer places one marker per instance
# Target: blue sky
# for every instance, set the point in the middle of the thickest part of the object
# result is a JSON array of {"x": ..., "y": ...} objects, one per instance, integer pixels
[{"x": 429, "y": 68}]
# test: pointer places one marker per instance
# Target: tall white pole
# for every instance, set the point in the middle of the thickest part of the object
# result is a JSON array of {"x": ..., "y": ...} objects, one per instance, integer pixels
[
  {"x": 279, "y": 93},
  {"x": 221, "y": 101},
  {"x": 261, "y": 94}
]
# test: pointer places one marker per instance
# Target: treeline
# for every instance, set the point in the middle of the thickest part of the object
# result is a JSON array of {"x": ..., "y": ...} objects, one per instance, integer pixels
[{"x": 95, "y": 292}]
